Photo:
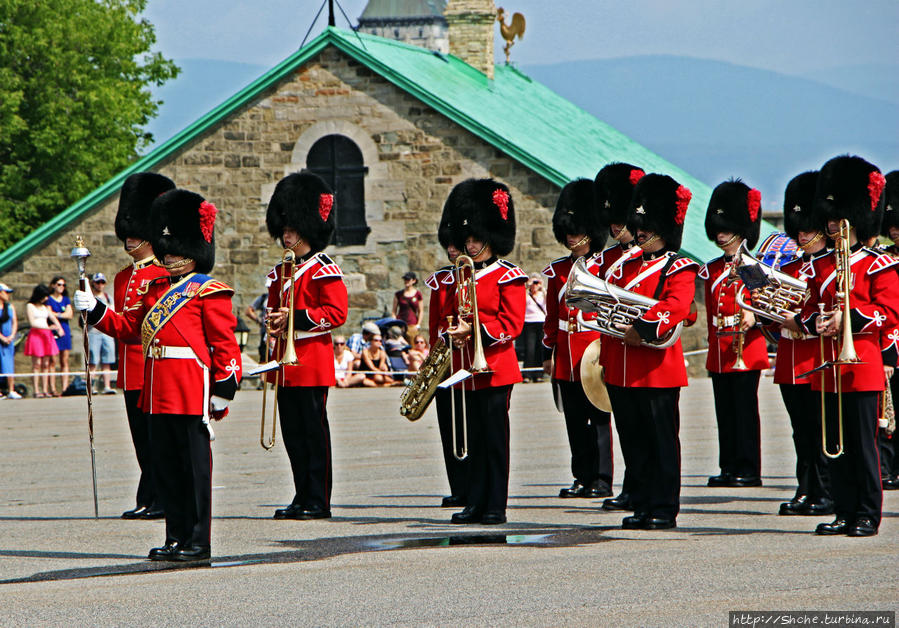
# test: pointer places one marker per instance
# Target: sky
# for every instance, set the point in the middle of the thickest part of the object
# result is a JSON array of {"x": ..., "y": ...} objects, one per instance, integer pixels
[{"x": 788, "y": 36}]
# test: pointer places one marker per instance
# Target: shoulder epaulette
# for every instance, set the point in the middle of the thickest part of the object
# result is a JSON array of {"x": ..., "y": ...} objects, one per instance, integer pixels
[
  {"x": 211, "y": 287},
  {"x": 438, "y": 276},
  {"x": 679, "y": 264},
  {"x": 324, "y": 259},
  {"x": 704, "y": 271},
  {"x": 328, "y": 267},
  {"x": 512, "y": 273},
  {"x": 125, "y": 267},
  {"x": 883, "y": 261}
]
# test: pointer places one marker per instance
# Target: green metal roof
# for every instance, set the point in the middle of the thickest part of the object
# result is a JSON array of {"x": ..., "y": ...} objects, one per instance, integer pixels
[
  {"x": 393, "y": 9},
  {"x": 518, "y": 116}
]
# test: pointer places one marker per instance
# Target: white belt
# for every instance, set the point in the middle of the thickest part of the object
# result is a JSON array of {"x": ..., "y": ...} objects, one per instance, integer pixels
[
  {"x": 792, "y": 335},
  {"x": 725, "y": 321},
  {"x": 162, "y": 352},
  {"x": 302, "y": 335},
  {"x": 575, "y": 327}
]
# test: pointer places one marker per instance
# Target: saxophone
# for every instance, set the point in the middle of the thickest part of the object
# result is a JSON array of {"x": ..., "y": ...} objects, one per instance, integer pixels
[{"x": 418, "y": 393}]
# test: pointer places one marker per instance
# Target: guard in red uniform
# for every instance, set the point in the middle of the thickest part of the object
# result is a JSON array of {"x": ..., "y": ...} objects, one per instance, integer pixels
[
  {"x": 442, "y": 285},
  {"x": 886, "y": 436},
  {"x": 132, "y": 227},
  {"x": 192, "y": 364},
  {"x": 850, "y": 188},
  {"x": 613, "y": 188},
  {"x": 486, "y": 225},
  {"x": 737, "y": 349},
  {"x": 644, "y": 382},
  {"x": 301, "y": 215},
  {"x": 796, "y": 353},
  {"x": 576, "y": 226}
]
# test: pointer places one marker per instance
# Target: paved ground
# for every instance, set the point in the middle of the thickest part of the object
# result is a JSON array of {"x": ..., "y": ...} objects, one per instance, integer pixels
[{"x": 389, "y": 556}]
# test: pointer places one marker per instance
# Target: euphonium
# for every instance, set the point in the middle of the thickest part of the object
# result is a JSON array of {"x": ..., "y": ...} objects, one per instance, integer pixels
[
  {"x": 288, "y": 260},
  {"x": 613, "y": 305},
  {"x": 775, "y": 294}
]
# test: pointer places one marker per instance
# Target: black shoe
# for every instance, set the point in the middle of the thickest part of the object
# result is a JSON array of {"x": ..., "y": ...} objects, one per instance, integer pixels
[
  {"x": 193, "y": 552},
  {"x": 635, "y": 522},
  {"x": 819, "y": 508},
  {"x": 291, "y": 512},
  {"x": 837, "y": 526},
  {"x": 597, "y": 488},
  {"x": 469, "y": 515},
  {"x": 659, "y": 523},
  {"x": 313, "y": 512},
  {"x": 796, "y": 506},
  {"x": 137, "y": 513},
  {"x": 154, "y": 513},
  {"x": 891, "y": 483},
  {"x": 575, "y": 490},
  {"x": 722, "y": 479},
  {"x": 166, "y": 552},
  {"x": 622, "y": 502},
  {"x": 493, "y": 518},
  {"x": 453, "y": 501},
  {"x": 743, "y": 481},
  {"x": 864, "y": 526}
]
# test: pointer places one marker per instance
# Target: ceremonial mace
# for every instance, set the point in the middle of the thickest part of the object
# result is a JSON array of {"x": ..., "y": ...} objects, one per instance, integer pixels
[{"x": 80, "y": 253}]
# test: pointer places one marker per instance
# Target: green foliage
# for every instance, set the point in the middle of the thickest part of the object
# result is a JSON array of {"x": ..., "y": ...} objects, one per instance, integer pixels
[{"x": 74, "y": 99}]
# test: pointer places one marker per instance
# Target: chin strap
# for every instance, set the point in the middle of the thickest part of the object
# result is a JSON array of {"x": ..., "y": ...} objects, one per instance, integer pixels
[
  {"x": 805, "y": 247},
  {"x": 579, "y": 243},
  {"x": 178, "y": 265},
  {"x": 728, "y": 243},
  {"x": 649, "y": 241}
]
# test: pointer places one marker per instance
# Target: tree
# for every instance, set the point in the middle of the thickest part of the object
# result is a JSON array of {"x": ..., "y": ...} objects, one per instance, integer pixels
[{"x": 74, "y": 100}]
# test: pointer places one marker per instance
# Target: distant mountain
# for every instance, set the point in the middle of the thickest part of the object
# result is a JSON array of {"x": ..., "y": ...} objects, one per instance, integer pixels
[
  {"x": 713, "y": 119},
  {"x": 718, "y": 120},
  {"x": 872, "y": 80}
]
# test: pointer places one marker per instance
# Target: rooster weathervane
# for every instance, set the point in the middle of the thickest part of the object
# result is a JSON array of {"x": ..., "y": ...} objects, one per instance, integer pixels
[{"x": 511, "y": 31}]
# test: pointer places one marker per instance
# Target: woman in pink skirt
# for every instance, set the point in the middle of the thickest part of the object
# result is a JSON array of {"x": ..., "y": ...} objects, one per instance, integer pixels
[{"x": 40, "y": 343}]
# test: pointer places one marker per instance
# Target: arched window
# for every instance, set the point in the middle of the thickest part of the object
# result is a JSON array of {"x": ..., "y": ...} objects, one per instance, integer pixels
[{"x": 337, "y": 160}]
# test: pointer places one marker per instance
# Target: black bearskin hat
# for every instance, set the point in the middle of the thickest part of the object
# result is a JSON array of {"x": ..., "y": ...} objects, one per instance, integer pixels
[
  {"x": 183, "y": 224},
  {"x": 850, "y": 187},
  {"x": 138, "y": 192},
  {"x": 735, "y": 208},
  {"x": 612, "y": 191},
  {"x": 799, "y": 205},
  {"x": 484, "y": 210},
  {"x": 576, "y": 214},
  {"x": 445, "y": 232},
  {"x": 891, "y": 211},
  {"x": 302, "y": 201},
  {"x": 659, "y": 205}
]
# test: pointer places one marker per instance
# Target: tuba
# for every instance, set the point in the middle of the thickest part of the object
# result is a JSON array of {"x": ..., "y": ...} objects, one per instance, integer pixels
[{"x": 613, "y": 305}]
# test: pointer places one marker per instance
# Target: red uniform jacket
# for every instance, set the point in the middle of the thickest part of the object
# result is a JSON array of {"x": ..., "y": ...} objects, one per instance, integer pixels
[
  {"x": 641, "y": 366},
  {"x": 320, "y": 301},
  {"x": 501, "y": 304},
  {"x": 795, "y": 356},
  {"x": 126, "y": 284},
  {"x": 721, "y": 312},
  {"x": 442, "y": 285},
  {"x": 874, "y": 313},
  {"x": 193, "y": 353},
  {"x": 561, "y": 334}
]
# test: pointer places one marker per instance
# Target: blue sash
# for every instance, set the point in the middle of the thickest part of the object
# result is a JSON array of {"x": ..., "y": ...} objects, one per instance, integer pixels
[{"x": 173, "y": 300}]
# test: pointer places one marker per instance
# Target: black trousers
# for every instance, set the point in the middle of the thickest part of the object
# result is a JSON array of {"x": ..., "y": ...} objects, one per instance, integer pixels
[
  {"x": 139, "y": 424},
  {"x": 650, "y": 418},
  {"x": 589, "y": 435},
  {"x": 456, "y": 470},
  {"x": 182, "y": 465},
  {"x": 307, "y": 439},
  {"x": 737, "y": 412},
  {"x": 804, "y": 407},
  {"x": 855, "y": 476},
  {"x": 889, "y": 456},
  {"x": 532, "y": 343},
  {"x": 487, "y": 412}
]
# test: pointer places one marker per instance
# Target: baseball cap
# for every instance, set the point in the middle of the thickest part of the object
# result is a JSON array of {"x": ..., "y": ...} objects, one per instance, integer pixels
[
  {"x": 98, "y": 277},
  {"x": 5, "y": 288},
  {"x": 370, "y": 327}
]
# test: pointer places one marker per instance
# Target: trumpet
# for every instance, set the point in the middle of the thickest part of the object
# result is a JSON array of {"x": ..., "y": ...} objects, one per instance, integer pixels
[{"x": 288, "y": 261}]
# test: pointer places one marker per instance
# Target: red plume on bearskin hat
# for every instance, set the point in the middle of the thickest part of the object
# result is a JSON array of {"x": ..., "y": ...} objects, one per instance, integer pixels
[
  {"x": 659, "y": 204},
  {"x": 483, "y": 209},
  {"x": 576, "y": 214},
  {"x": 799, "y": 205},
  {"x": 138, "y": 192},
  {"x": 852, "y": 188},
  {"x": 891, "y": 210},
  {"x": 303, "y": 201},
  {"x": 734, "y": 207},
  {"x": 183, "y": 224},
  {"x": 612, "y": 191}
]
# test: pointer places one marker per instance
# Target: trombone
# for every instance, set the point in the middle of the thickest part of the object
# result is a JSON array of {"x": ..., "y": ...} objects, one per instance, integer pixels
[
  {"x": 467, "y": 309},
  {"x": 288, "y": 261}
]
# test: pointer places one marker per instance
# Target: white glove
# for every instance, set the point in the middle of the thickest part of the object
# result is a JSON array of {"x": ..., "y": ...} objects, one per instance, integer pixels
[
  {"x": 219, "y": 403},
  {"x": 84, "y": 301}
]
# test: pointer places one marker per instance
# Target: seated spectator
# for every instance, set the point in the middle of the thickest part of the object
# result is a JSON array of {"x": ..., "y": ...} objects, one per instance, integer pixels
[
  {"x": 418, "y": 353},
  {"x": 396, "y": 345},
  {"x": 360, "y": 340},
  {"x": 343, "y": 365},
  {"x": 374, "y": 360}
]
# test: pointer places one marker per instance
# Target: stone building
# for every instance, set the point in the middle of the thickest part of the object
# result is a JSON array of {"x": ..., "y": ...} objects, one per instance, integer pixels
[
  {"x": 393, "y": 127},
  {"x": 417, "y": 22}
]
